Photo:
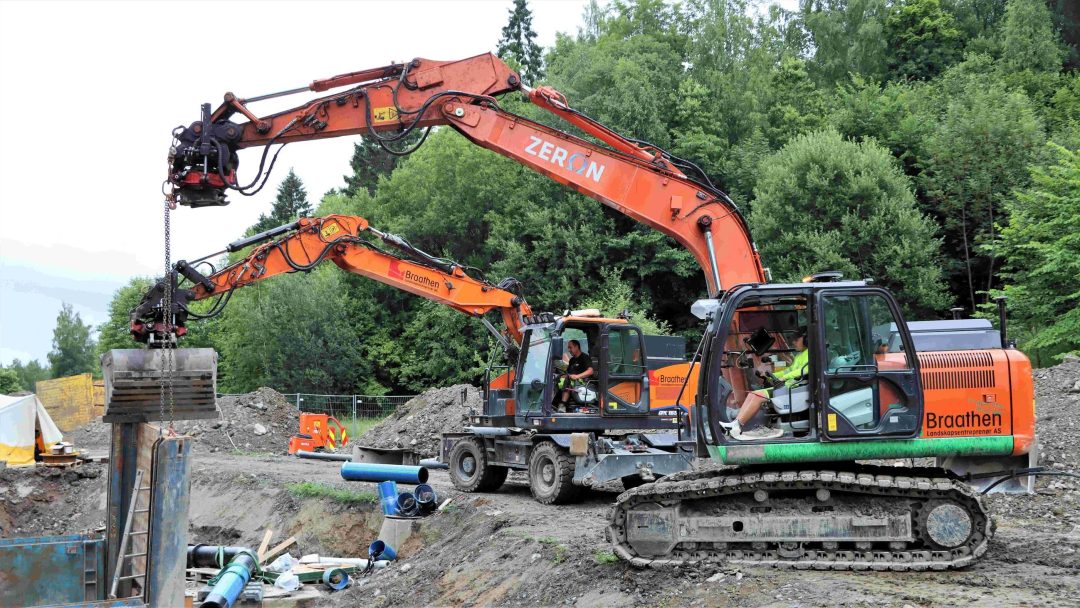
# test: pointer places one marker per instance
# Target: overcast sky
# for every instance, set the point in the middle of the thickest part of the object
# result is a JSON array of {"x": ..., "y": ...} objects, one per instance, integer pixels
[{"x": 90, "y": 92}]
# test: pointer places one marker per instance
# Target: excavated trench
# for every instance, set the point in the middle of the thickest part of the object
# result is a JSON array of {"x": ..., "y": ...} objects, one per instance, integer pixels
[{"x": 505, "y": 549}]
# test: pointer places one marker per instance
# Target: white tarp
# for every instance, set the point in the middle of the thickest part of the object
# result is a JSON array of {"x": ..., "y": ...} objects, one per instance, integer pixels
[{"x": 19, "y": 417}]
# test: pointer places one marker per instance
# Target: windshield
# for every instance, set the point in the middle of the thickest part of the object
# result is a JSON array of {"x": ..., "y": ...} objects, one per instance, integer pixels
[{"x": 534, "y": 374}]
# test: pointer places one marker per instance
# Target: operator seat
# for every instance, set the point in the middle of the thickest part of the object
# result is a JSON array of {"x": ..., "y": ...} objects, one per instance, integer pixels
[{"x": 794, "y": 405}]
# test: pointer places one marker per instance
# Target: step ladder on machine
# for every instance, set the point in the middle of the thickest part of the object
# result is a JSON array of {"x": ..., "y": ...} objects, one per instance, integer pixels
[{"x": 125, "y": 541}]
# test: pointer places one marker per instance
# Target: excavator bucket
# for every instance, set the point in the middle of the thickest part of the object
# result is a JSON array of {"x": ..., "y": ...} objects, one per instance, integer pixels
[{"x": 133, "y": 384}]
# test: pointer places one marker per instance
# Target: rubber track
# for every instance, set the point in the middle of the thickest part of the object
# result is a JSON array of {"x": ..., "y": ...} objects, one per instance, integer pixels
[{"x": 903, "y": 483}]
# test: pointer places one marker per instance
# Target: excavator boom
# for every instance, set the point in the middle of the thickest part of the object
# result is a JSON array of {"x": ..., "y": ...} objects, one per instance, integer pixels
[
  {"x": 388, "y": 103},
  {"x": 352, "y": 244}
]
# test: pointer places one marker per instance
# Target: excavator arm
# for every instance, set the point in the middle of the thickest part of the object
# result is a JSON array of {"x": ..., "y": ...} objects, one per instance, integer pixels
[
  {"x": 635, "y": 178},
  {"x": 352, "y": 244}
]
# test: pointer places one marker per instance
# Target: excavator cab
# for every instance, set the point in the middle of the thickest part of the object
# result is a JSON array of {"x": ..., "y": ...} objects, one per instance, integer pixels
[
  {"x": 616, "y": 396},
  {"x": 855, "y": 387}
]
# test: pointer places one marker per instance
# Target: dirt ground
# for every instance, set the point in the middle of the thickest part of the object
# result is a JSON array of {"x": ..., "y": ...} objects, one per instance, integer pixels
[{"x": 504, "y": 549}]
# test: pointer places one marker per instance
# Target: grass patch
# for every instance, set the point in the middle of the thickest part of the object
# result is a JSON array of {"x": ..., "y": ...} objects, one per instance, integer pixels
[
  {"x": 605, "y": 557},
  {"x": 561, "y": 550},
  {"x": 309, "y": 489},
  {"x": 359, "y": 426}
]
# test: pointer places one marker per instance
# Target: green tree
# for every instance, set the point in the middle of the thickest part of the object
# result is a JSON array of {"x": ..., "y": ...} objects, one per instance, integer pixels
[
  {"x": 616, "y": 297},
  {"x": 371, "y": 161},
  {"x": 115, "y": 331},
  {"x": 29, "y": 374},
  {"x": 291, "y": 203},
  {"x": 923, "y": 39},
  {"x": 975, "y": 155},
  {"x": 292, "y": 333},
  {"x": 823, "y": 203},
  {"x": 1041, "y": 248},
  {"x": 9, "y": 382},
  {"x": 518, "y": 43},
  {"x": 72, "y": 346},
  {"x": 1029, "y": 40},
  {"x": 847, "y": 37}
]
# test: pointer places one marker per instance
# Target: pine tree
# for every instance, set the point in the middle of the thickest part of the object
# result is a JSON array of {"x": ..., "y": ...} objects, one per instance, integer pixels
[
  {"x": 73, "y": 348},
  {"x": 518, "y": 43},
  {"x": 370, "y": 161},
  {"x": 291, "y": 203},
  {"x": 923, "y": 39}
]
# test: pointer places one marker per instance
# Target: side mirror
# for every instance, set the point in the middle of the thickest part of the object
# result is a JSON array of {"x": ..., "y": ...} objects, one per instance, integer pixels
[{"x": 557, "y": 347}]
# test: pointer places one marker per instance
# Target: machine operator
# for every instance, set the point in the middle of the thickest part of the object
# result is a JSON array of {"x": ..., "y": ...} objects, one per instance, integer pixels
[
  {"x": 578, "y": 367},
  {"x": 786, "y": 379}
]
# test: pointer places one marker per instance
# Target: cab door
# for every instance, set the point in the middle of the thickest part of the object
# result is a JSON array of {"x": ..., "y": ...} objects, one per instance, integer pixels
[
  {"x": 624, "y": 377},
  {"x": 866, "y": 391}
]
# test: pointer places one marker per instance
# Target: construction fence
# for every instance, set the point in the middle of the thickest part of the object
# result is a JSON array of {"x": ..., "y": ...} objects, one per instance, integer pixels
[{"x": 346, "y": 406}]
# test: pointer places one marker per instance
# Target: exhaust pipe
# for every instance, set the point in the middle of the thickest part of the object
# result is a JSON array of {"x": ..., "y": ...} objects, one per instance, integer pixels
[{"x": 1002, "y": 322}]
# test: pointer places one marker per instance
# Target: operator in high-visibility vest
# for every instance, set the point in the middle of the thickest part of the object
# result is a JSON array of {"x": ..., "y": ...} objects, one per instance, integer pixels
[{"x": 790, "y": 376}]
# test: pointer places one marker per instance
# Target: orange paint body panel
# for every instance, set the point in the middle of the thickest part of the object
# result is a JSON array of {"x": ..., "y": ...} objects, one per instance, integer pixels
[
  {"x": 978, "y": 393},
  {"x": 666, "y": 382},
  {"x": 318, "y": 431}
]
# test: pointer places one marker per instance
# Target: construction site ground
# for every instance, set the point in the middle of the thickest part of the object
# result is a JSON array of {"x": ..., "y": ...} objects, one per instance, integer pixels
[{"x": 504, "y": 549}]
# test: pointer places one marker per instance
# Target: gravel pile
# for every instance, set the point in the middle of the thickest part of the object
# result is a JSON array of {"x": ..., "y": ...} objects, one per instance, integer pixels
[
  {"x": 91, "y": 437},
  {"x": 260, "y": 421},
  {"x": 1057, "y": 410},
  {"x": 36, "y": 501},
  {"x": 418, "y": 424}
]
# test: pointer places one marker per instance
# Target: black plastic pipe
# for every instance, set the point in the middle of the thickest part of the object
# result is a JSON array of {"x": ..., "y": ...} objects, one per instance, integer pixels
[
  {"x": 206, "y": 556},
  {"x": 323, "y": 456}
]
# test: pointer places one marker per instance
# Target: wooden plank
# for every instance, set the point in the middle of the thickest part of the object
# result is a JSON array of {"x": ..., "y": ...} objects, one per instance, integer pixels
[
  {"x": 264, "y": 544},
  {"x": 272, "y": 553}
]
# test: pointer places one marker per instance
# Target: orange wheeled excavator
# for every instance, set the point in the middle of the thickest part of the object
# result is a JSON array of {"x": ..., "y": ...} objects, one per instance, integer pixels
[{"x": 802, "y": 499}]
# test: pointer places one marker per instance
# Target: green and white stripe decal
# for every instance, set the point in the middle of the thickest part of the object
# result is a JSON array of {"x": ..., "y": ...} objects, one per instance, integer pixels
[{"x": 862, "y": 450}]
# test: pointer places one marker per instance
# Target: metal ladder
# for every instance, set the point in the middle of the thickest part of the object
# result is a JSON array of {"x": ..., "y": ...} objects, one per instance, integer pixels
[
  {"x": 90, "y": 573},
  {"x": 125, "y": 540}
]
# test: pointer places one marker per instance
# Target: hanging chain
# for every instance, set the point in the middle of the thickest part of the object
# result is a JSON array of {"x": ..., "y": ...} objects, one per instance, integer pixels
[{"x": 168, "y": 360}]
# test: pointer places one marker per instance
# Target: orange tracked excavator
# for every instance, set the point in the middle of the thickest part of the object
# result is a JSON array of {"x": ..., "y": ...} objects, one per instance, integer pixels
[{"x": 798, "y": 498}]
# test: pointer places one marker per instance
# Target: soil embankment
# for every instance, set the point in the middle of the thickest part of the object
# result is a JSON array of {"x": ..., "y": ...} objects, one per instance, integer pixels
[{"x": 504, "y": 549}]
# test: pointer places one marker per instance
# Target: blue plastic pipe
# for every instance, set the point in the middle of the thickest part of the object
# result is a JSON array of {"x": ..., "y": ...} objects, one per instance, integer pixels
[
  {"x": 388, "y": 497},
  {"x": 380, "y": 550},
  {"x": 426, "y": 498},
  {"x": 406, "y": 505},
  {"x": 368, "y": 471},
  {"x": 336, "y": 579},
  {"x": 232, "y": 580}
]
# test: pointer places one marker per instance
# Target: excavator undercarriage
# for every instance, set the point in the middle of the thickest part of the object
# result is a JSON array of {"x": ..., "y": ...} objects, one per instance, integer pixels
[{"x": 843, "y": 518}]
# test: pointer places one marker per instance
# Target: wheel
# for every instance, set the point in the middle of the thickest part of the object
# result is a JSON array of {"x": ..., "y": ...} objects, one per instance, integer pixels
[
  {"x": 469, "y": 468},
  {"x": 551, "y": 475}
]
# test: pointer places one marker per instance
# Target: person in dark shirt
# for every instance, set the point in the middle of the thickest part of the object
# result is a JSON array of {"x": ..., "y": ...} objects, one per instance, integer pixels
[{"x": 578, "y": 367}]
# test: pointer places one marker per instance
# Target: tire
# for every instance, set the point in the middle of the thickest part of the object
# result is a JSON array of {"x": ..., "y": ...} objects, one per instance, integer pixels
[
  {"x": 551, "y": 475},
  {"x": 469, "y": 468}
]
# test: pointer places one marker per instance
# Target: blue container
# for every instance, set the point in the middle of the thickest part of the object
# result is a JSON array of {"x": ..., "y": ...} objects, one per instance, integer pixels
[
  {"x": 407, "y": 505},
  {"x": 426, "y": 498},
  {"x": 367, "y": 471},
  {"x": 388, "y": 497},
  {"x": 380, "y": 550}
]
